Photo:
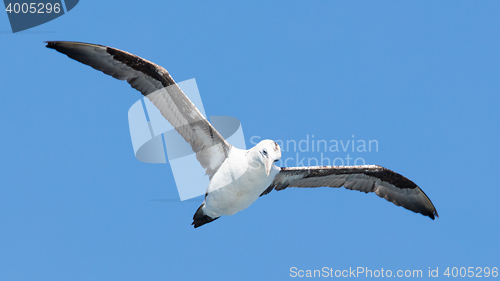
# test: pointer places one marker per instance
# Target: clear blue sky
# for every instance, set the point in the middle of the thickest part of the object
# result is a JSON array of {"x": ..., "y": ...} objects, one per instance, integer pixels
[{"x": 420, "y": 78}]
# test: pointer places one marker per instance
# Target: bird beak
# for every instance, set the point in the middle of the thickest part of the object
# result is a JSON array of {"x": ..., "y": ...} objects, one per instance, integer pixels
[{"x": 268, "y": 164}]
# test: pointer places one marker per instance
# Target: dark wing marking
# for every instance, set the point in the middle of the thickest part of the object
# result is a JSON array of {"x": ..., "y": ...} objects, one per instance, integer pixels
[
  {"x": 154, "y": 82},
  {"x": 385, "y": 183}
]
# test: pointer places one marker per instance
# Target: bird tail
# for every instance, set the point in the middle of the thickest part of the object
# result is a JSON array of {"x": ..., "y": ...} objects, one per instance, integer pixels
[{"x": 200, "y": 218}]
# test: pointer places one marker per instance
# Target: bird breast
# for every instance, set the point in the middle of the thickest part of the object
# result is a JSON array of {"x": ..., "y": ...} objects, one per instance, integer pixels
[{"x": 236, "y": 185}]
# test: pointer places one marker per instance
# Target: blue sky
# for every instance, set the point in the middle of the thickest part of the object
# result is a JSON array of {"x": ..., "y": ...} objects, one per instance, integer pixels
[{"x": 420, "y": 78}]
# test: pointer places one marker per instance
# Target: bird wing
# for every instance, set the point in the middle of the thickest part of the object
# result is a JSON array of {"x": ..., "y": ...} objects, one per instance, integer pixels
[
  {"x": 385, "y": 183},
  {"x": 154, "y": 82}
]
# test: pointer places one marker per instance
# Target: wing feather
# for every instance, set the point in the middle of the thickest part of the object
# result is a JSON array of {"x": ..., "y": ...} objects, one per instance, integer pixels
[
  {"x": 154, "y": 82},
  {"x": 385, "y": 183}
]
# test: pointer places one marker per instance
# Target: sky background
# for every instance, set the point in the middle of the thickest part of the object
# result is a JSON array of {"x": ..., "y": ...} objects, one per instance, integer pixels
[{"x": 421, "y": 78}]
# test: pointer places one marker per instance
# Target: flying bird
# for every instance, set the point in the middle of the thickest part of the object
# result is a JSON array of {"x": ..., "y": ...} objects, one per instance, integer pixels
[{"x": 237, "y": 177}]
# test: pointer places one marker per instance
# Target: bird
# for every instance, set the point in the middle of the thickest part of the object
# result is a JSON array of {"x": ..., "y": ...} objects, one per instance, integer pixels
[{"x": 237, "y": 177}]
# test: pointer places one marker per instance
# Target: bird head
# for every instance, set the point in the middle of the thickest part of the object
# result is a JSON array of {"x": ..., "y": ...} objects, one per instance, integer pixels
[{"x": 268, "y": 152}]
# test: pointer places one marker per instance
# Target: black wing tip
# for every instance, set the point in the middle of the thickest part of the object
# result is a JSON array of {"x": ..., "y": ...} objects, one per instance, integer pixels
[
  {"x": 60, "y": 45},
  {"x": 51, "y": 44},
  {"x": 56, "y": 44},
  {"x": 434, "y": 215},
  {"x": 200, "y": 218}
]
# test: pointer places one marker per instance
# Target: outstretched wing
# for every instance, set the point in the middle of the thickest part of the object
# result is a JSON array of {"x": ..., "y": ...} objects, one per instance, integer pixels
[
  {"x": 154, "y": 82},
  {"x": 385, "y": 183}
]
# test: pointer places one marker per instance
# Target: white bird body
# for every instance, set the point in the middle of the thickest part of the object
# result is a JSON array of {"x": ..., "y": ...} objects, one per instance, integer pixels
[
  {"x": 237, "y": 177},
  {"x": 240, "y": 180}
]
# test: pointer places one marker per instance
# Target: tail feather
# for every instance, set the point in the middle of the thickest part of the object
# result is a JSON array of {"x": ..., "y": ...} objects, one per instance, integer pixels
[{"x": 200, "y": 218}]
